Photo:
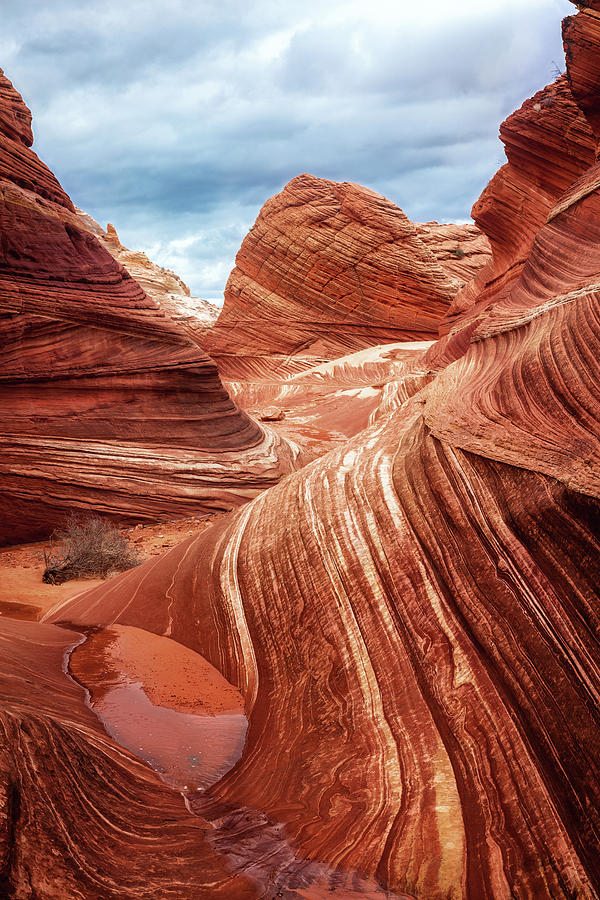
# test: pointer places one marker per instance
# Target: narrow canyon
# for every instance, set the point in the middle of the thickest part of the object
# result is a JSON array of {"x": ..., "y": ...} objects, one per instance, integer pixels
[{"x": 361, "y": 654}]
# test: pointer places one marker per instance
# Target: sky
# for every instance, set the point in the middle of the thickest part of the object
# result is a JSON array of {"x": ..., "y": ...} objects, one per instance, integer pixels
[{"x": 177, "y": 119}]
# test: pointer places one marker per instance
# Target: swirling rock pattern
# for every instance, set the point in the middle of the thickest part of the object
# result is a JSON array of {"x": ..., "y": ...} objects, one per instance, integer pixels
[
  {"x": 548, "y": 144},
  {"x": 461, "y": 250},
  {"x": 414, "y": 619},
  {"x": 81, "y": 818},
  {"x": 323, "y": 406},
  {"x": 341, "y": 268},
  {"x": 106, "y": 402}
]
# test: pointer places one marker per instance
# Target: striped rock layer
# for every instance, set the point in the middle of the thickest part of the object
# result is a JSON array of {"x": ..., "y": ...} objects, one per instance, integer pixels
[
  {"x": 328, "y": 269},
  {"x": 81, "y": 818},
  {"x": 173, "y": 296},
  {"x": 548, "y": 143},
  {"x": 105, "y": 402},
  {"x": 414, "y": 618}
]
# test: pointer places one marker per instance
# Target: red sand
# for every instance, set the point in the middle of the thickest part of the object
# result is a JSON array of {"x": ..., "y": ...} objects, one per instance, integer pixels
[
  {"x": 23, "y": 595},
  {"x": 170, "y": 674}
]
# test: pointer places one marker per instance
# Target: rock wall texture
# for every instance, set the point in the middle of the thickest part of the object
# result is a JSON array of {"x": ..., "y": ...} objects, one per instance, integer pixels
[
  {"x": 549, "y": 143},
  {"x": 79, "y": 816},
  {"x": 105, "y": 400},
  {"x": 328, "y": 269},
  {"x": 414, "y": 619},
  {"x": 173, "y": 296},
  {"x": 461, "y": 250}
]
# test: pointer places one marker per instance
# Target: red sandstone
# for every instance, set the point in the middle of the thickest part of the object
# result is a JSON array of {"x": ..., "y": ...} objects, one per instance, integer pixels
[{"x": 412, "y": 619}]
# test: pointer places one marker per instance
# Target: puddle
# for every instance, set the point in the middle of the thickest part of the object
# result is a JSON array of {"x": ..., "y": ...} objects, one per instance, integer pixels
[
  {"x": 166, "y": 704},
  {"x": 188, "y": 751}
]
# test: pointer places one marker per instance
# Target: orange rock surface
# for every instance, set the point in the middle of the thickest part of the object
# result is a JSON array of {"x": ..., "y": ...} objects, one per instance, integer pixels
[
  {"x": 173, "y": 296},
  {"x": 548, "y": 144},
  {"x": 461, "y": 250},
  {"x": 81, "y": 817},
  {"x": 413, "y": 619},
  {"x": 106, "y": 402},
  {"x": 327, "y": 269}
]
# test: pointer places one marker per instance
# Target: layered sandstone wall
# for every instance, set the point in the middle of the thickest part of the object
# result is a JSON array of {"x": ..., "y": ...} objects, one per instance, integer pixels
[
  {"x": 195, "y": 315},
  {"x": 414, "y": 618},
  {"x": 331, "y": 268},
  {"x": 548, "y": 144},
  {"x": 106, "y": 402}
]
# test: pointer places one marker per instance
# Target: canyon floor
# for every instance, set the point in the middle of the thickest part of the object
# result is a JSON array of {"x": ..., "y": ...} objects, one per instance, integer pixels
[{"x": 23, "y": 594}]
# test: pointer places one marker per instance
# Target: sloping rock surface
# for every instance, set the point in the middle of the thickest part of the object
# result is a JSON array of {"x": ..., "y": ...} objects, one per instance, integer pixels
[
  {"x": 106, "y": 402},
  {"x": 548, "y": 144},
  {"x": 414, "y": 619},
  {"x": 80, "y": 817},
  {"x": 173, "y": 296}
]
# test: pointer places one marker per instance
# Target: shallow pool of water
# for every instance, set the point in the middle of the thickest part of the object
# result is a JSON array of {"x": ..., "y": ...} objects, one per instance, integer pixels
[{"x": 188, "y": 751}]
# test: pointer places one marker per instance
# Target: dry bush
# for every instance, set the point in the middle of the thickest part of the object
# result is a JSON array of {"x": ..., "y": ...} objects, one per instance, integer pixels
[{"x": 90, "y": 546}]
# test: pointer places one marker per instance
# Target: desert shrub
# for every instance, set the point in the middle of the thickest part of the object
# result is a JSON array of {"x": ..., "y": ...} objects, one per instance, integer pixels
[
  {"x": 89, "y": 546},
  {"x": 458, "y": 252}
]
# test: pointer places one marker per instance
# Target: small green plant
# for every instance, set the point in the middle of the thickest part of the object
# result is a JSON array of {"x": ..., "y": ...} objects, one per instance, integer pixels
[{"x": 89, "y": 546}]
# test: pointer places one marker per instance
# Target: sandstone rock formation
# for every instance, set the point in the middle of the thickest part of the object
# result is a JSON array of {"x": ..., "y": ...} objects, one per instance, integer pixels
[
  {"x": 106, "y": 402},
  {"x": 173, "y": 296},
  {"x": 321, "y": 407},
  {"x": 414, "y": 618},
  {"x": 79, "y": 816},
  {"x": 327, "y": 269},
  {"x": 548, "y": 144},
  {"x": 461, "y": 250}
]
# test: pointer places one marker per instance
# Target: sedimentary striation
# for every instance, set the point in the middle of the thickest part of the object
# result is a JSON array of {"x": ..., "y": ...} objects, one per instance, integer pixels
[
  {"x": 106, "y": 402},
  {"x": 328, "y": 269},
  {"x": 79, "y": 816},
  {"x": 173, "y": 296},
  {"x": 461, "y": 250},
  {"x": 548, "y": 144},
  {"x": 413, "y": 619}
]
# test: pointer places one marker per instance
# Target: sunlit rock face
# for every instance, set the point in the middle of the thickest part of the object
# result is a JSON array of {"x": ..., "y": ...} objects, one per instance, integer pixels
[
  {"x": 461, "y": 250},
  {"x": 106, "y": 402},
  {"x": 414, "y": 618},
  {"x": 328, "y": 269}
]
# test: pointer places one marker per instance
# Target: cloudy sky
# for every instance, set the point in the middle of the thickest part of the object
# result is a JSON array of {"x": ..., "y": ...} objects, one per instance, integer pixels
[{"x": 176, "y": 119}]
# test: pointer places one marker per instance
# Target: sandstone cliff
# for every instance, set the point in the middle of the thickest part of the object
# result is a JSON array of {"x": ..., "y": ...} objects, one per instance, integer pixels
[
  {"x": 195, "y": 315},
  {"x": 106, "y": 401},
  {"x": 414, "y": 618},
  {"x": 327, "y": 269},
  {"x": 548, "y": 144}
]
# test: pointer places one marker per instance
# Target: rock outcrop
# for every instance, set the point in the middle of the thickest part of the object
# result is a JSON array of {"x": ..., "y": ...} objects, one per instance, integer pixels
[
  {"x": 414, "y": 618},
  {"x": 79, "y": 816},
  {"x": 328, "y": 269},
  {"x": 106, "y": 403},
  {"x": 461, "y": 250},
  {"x": 548, "y": 144},
  {"x": 173, "y": 296}
]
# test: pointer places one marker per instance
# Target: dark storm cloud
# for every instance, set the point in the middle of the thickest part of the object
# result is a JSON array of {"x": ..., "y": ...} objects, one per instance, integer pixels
[{"x": 176, "y": 121}]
